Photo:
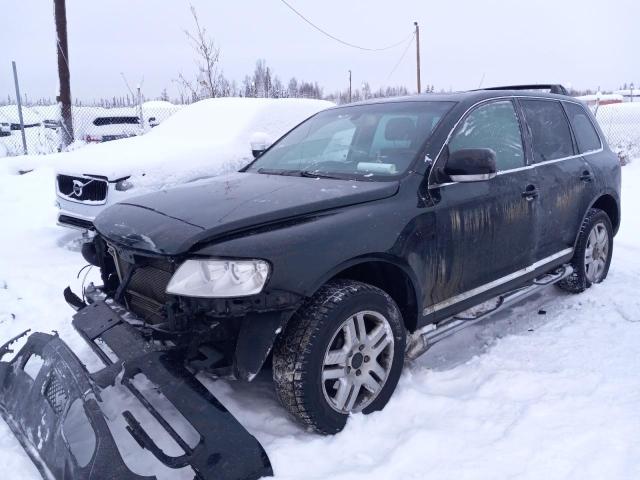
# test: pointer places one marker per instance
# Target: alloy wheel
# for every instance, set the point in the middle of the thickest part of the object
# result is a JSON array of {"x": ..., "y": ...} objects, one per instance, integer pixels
[
  {"x": 596, "y": 253},
  {"x": 357, "y": 362}
]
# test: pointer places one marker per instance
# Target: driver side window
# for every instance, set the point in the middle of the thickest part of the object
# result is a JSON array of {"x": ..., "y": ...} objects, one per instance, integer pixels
[{"x": 495, "y": 126}]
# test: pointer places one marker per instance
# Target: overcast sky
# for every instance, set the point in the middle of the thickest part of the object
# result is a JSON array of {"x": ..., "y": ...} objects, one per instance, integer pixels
[{"x": 582, "y": 43}]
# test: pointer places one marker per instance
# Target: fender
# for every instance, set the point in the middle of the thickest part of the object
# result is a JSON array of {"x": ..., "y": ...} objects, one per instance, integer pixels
[
  {"x": 613, "y": 194},
  {"x": 373, "y": 258}
]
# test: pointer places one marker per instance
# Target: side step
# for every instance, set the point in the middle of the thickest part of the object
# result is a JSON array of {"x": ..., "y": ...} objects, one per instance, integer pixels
[{"x": 425, "y": 338}]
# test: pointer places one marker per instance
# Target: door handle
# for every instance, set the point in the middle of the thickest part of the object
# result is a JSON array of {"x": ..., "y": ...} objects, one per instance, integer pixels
[
  {"x": 530, "y": 193},
  {"x": 586, "y": 176}
]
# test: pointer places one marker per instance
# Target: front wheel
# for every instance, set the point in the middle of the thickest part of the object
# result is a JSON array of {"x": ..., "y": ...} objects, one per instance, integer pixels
[
  {"x": 341, "y": 353},
  {"x": 592, "y": 255}
]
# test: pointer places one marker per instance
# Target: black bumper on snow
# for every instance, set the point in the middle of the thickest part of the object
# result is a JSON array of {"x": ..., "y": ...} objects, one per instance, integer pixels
[{"x": 38, "y": 410}]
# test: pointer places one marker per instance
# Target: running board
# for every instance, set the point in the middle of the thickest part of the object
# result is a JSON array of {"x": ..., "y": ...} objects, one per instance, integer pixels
[{"x": 425, "y": 338}]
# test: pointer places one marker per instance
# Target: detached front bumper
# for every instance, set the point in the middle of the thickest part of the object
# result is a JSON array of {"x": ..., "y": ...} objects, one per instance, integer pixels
[{"x": 39, "y": 410}]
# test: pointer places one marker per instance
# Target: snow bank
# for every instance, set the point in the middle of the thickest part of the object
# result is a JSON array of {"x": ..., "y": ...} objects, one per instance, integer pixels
[
  {"x": 206, "y": 138},
  {"x": 10, "y": 113},
  {"x": 523, "y": 395}
]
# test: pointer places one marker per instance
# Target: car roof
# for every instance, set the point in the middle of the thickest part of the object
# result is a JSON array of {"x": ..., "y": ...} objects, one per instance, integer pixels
[{"x": 471, "y": 96}]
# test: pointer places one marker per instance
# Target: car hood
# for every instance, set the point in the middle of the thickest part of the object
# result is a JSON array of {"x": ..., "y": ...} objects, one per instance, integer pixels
[{"x": 172, "y": 221}]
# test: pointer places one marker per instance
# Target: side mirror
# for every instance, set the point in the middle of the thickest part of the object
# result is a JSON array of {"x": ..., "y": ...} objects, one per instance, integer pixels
[
  {"x": 259, "y": 143},
  {"x": 256, "y": 151},
  {"x": 471, "y": 165}
]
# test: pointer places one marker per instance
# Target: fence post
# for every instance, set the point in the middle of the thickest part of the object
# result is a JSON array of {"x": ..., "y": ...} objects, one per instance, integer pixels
[
  {"x": 140, "y": 113},
  {"x": 15, "y": 79}
]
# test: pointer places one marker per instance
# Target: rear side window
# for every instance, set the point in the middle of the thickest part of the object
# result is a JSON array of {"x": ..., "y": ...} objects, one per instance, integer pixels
[
  {"x": 102, "y": 121},
  {"x": 586, "y": 135},
  {"x": 549, "y": 129},
  {"x": 495, "y": 126}
]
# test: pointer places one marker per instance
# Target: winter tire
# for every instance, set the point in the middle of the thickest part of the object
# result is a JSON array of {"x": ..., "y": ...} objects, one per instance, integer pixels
[
  {"x": 592, "y": 255},
  {"x": 341, "y": 353}
]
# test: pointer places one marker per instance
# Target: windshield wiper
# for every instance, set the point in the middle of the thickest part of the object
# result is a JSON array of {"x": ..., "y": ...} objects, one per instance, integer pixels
[
  {"x": 276, "y": 171},
  {"x": 316, "y": 174},
  {"x": 299, "y": 173}
]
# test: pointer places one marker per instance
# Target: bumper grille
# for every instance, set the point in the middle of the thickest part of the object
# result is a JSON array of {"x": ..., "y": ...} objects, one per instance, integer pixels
[
  {"x": 56, "y": 394},
  {"x": 75, "y": 222},
  {"x": 82, "y": 189}
]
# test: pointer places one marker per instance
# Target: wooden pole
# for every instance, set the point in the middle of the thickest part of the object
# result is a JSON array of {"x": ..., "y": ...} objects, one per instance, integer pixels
[
  {"x": 64, "y": 99},
  {"x": 418, "y": 55}
]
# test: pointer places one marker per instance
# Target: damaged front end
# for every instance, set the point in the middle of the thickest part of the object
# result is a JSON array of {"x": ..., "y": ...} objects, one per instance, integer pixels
[{"x": 56, "y": 412}]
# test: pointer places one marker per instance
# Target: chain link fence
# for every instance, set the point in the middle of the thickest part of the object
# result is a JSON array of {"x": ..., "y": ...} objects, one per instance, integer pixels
[
  {"x": 620, "y": 123},
  {"x": 48, "y": 130}
]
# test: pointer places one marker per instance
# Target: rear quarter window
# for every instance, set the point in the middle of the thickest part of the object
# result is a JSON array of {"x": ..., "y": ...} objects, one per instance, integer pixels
[
  {"x": 102, "y": 121},
  {"x": 548, "y": 128},
  {"x": 586, "y": 135}
]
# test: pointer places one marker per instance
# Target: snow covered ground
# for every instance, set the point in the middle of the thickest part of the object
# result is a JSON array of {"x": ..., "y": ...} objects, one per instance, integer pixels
[{"x": 549, "y": 389}]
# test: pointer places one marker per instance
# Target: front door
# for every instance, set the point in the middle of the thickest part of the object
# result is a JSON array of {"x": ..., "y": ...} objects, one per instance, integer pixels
[{"x": 486, "y": 230}]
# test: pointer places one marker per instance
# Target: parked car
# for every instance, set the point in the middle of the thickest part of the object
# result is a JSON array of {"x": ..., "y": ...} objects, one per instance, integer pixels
[
  {"x": 52, "y": 124},
  {"x": 365, "y": 224},
  {"x": 201, "y": 140},
  {"x": 363, "y": 236},
  {"x": 112, "y": 127}
]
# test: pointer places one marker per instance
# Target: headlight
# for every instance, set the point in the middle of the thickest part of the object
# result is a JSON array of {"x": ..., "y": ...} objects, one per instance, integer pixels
[
  {"x": 219, "y": 278},
  {"x": 124, "y": 184}
]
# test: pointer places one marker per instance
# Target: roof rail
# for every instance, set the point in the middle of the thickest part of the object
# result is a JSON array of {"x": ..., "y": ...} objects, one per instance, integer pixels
[{"x": 553, "y": 88}]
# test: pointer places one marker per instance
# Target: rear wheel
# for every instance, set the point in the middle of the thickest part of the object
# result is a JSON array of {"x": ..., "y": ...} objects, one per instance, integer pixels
[
  {"x": 592, "y": 255},
  {"x": 342, "y": 353}
]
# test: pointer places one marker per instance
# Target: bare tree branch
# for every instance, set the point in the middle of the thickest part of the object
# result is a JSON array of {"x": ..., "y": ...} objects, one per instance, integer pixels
[{"x": 209, "y": 80}]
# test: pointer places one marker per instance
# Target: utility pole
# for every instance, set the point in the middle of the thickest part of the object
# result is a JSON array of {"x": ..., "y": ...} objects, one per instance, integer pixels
[
  {"x": 20, "y": 117},
  {"x": 64, "y": 99},
  {"x": 418, "y": 55},
  {"x": 349, "y": 86}
]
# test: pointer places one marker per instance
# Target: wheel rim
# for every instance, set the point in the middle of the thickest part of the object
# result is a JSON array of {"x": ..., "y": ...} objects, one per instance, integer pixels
[
  {"x": 357, "y": 362},
  {"x": 596, "y": 253}
]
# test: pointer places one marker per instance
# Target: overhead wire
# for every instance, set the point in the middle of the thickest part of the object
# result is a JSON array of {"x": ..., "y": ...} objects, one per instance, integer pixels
[
  {"x": 333, "y": 37},
  {"x": 404, "y": 53}
]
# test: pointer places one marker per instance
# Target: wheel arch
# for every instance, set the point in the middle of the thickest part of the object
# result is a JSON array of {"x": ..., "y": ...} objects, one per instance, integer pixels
[
  {"x": 608, "y": 203},
  {"x": 388, "y": 274}
]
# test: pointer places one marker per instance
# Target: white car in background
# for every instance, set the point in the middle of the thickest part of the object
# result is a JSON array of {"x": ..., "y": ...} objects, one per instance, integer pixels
[
  {"x": 202, "y": 140},
  {"x": 114, "y": 124}
]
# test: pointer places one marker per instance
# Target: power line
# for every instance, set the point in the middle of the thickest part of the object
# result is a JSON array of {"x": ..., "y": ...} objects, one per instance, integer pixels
[
  {"x": 406, "y": 49},
  {"x": 338, "y": 39}
]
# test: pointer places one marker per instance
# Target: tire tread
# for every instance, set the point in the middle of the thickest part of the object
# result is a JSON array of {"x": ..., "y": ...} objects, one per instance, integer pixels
[{"x": 291, "y": 352}]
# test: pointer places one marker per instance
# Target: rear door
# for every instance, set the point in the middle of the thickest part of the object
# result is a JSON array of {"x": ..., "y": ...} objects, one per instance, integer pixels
[
  {"x": 486, "y": 231},
  {"x": 565, "y": 178}
]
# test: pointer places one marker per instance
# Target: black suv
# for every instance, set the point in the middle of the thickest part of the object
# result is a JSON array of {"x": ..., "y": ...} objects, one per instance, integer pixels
[{"x": 364, "y": 235}]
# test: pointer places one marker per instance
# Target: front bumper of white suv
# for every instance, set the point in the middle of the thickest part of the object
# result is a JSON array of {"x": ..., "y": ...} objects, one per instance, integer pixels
[{"x": 80, "y": 198}]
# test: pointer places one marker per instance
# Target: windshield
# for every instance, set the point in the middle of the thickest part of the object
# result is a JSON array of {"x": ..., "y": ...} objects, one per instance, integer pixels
[{"x": 364, "y": 141}]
